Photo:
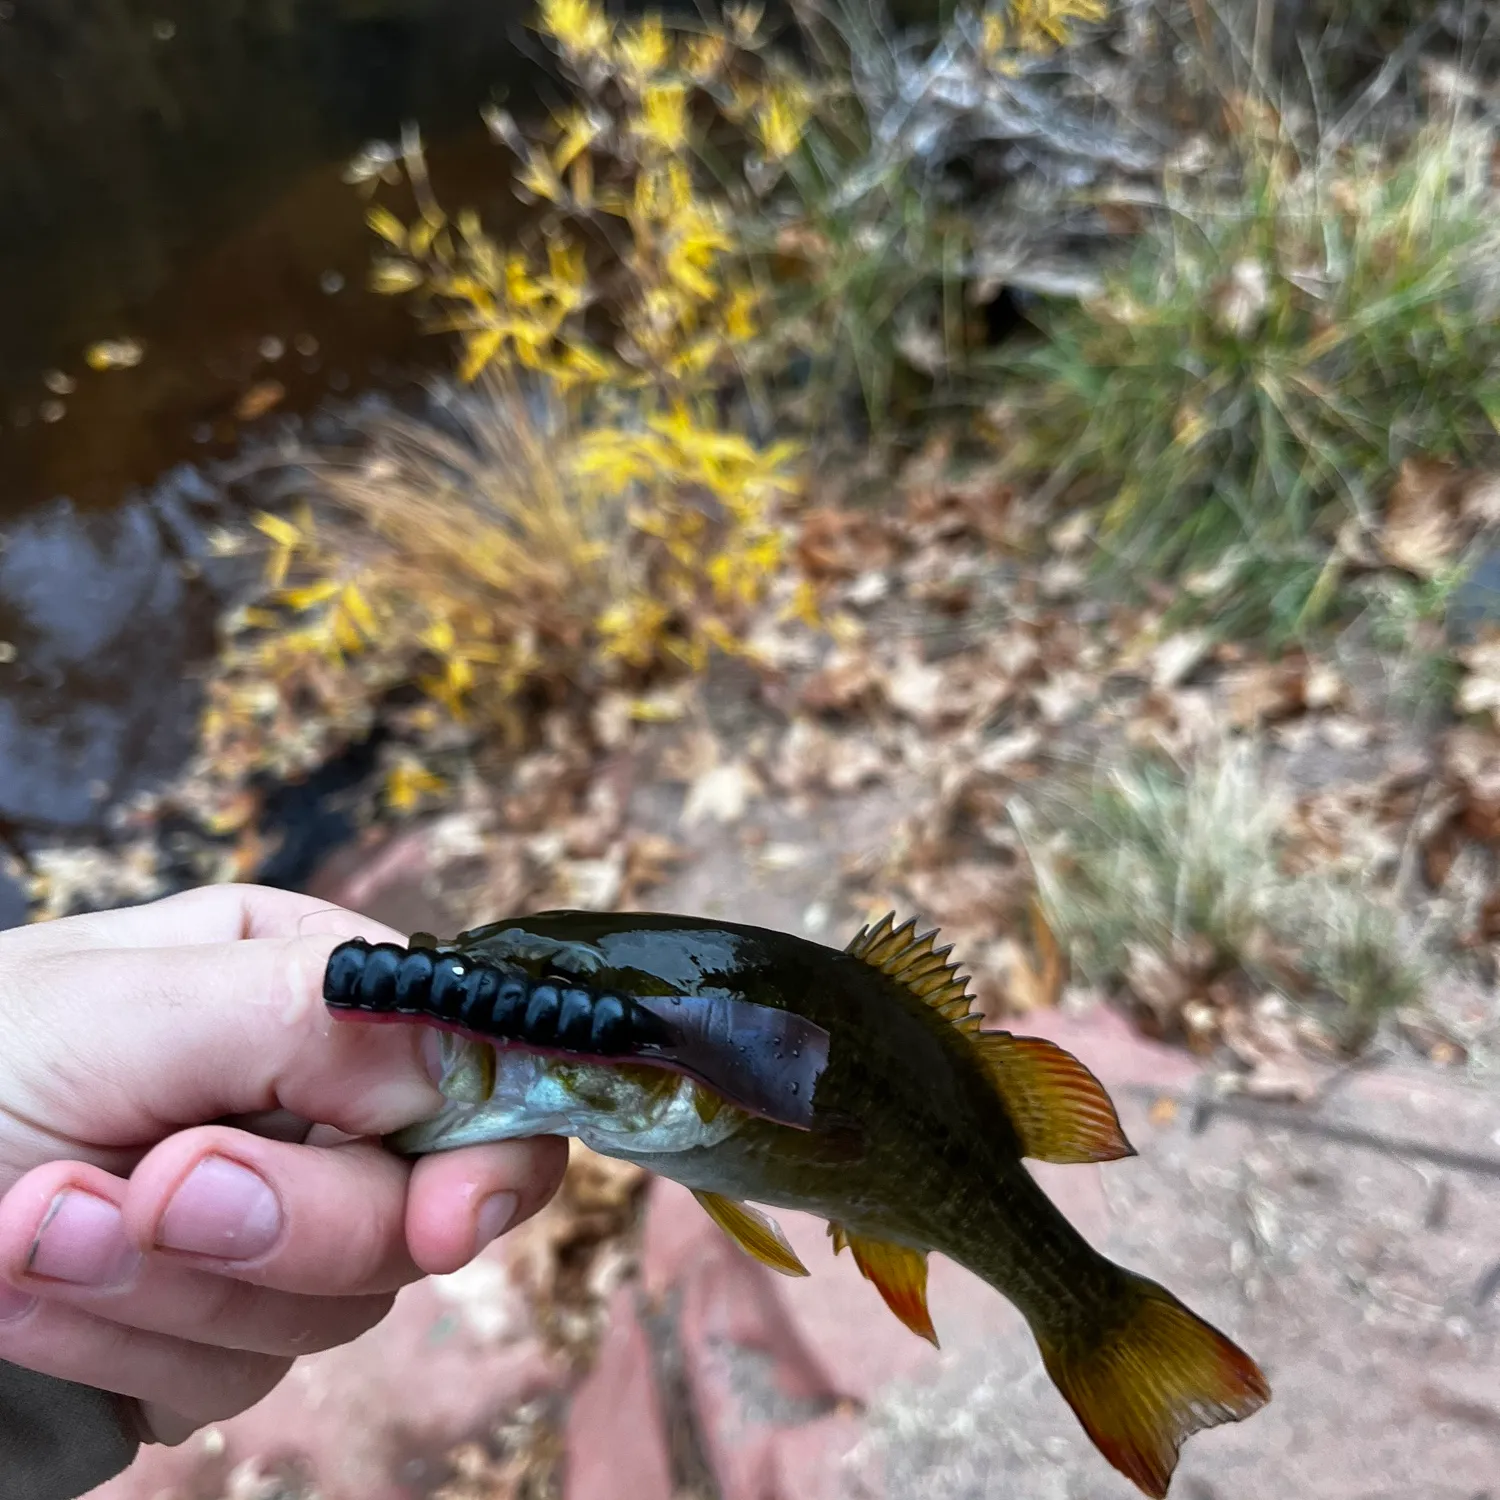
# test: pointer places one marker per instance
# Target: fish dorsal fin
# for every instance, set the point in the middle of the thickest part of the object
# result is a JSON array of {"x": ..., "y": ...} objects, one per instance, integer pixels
[
  {"x": 1059, "y": 1109},
  {"x": 899, "y": 1274},
  {"x": 753, "y": 1232},
  {"x": 915, "y": 962}
]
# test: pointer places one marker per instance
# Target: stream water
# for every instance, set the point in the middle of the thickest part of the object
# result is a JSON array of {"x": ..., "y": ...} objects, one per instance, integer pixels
[{"x": 171, "y": 173}]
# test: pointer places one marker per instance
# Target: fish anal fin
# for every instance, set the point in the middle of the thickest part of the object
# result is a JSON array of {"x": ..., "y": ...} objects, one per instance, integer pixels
[
  {"x": 753, "y": 1232},
  {"x": 899, "y": 1274},
  {"x": 1153, "y": 1382},
  {"x": 1059, "y": 1109}
]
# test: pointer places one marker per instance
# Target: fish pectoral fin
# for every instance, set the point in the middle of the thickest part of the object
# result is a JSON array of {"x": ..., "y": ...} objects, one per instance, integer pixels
[
  {"x": 1059, "y": 1109},
  {"x": 899, "y": 1274},
  {"x": 753, "y": 1232}
]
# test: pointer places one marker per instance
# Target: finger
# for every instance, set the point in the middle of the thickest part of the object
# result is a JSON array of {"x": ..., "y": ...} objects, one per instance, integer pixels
[
  {"x": 459, "y": 1200},
  {"x": 328, "y": 1221},
  {"x": 62, "y": 1237},
  {"x": 207, "y": 914},
  {"x": 135, "y": 1042},
  {"x": 199, "y": 1383}
]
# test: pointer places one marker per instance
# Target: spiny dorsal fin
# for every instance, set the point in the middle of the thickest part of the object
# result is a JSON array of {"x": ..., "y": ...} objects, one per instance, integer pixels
[
  {"x": 899, "y": 1274},
  {"x": 912, "y": 960},
  {"x": 753, "y": 1232},
  {"x": 1059, "y": 1109}
]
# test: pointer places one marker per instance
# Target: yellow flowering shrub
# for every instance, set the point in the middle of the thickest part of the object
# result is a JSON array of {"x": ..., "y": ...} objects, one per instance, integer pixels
[
  {"x": 596, "y": 512},
  {"x": 596, "y": 516}
]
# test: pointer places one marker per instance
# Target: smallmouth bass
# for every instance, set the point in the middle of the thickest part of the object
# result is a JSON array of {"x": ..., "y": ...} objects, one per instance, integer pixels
[{"x": 856, "y": 1085}]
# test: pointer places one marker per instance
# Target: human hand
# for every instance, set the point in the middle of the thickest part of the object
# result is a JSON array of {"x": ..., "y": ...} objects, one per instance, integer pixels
[{"x": 151, "y": 1243}]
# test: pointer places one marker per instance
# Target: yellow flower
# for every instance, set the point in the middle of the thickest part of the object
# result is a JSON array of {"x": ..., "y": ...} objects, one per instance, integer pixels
[
  {"x": 1039, "y": 26},
  {"x": 704, "y": 56},
  {"x": 537, "y": 177},
  {"x": 805, "y": 605},
  {"x": 479, "y": 350},
  {"x": 633, "y": 631},
  {"x": 578, "y": 26},
  {"x": 579, "y": 131},
  {"x": 644, "y": 50},
  {"x": 781, "y": 120},
  {"x": 387, "y": 226},
  {"x": 740, "y": 325},
  {"x": 663, "y": 117},
  {"x": 392, "y": 277},
  {"x": 409, "y": 783}
]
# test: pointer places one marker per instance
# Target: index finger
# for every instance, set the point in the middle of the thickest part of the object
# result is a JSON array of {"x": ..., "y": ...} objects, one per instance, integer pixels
[{"x": 207, "y": 914}]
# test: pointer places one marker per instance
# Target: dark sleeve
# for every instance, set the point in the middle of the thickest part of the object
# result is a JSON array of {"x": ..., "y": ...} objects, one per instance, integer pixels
[{"x": 59, "y": 1440}]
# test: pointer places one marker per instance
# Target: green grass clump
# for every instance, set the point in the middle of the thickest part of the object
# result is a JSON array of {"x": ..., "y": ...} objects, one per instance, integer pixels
[
  {"x": 1269, "y": 358},
  {"x": 1185, "y": 868}
]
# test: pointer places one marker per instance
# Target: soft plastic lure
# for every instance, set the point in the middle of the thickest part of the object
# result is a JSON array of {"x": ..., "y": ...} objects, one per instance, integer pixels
[{"x": 857, "y": 1085}]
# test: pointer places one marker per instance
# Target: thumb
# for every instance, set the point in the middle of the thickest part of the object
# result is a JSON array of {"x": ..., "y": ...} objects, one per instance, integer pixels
[{"x": 157, "y": 1039}]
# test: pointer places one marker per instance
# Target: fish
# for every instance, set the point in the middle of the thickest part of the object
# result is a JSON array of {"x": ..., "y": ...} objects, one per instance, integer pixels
[{"x": 860, "y": 1085}]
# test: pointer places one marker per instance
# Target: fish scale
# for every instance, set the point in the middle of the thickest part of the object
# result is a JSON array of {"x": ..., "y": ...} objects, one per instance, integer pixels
[{"x": 861, "y": 1086}]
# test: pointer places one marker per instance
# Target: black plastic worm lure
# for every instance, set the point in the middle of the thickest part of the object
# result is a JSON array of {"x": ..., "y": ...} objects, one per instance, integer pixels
[
  {"x": 553, "y": 1015},
  {"x": 517, "y": 986}
]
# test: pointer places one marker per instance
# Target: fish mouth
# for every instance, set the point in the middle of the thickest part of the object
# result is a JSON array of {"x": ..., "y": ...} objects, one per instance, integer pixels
[{"x": 510, "y": 1094}]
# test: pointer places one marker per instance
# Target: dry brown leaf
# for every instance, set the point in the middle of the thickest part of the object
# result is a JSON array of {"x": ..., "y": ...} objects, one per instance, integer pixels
[
  {"x": 1471, "y": 762},
  {"x": 1479, "y": 499},
  {"x": 1158, "y": 984},
  {"x": 1029, "y": 984},
  {"x": 1479, "y": 692},
  {"x": 1265, "y": 691},
  {"x": 914, "y": 688},
  {"x": 973, "y": 895},
  {"x": 650, "y": 859},
  {"x": 1064, "y": 695},
  {"x": 1429, "y": 1038},
  {"x": 1175, "y": 659},
  {"x": 1071, "y": 534},
  {"x": 1323, "y": 687},
  {"x": 1265, "y": 1040},
  {"x": 722, "y": 793},
  {"x": 850, "y": 676},
  {"x": 842, "y": 544},
  {"x": 1420, "y": 532},
  {"x": 261, "y": 398}
]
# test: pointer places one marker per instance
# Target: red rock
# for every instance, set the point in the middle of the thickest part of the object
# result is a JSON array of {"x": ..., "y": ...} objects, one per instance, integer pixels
[
  {"x": 387, "y": 880},
  {"x": 1105, "y": 1042},
  {"x": 807, "y": 1462},
  {"x": 616, "y": 1438}
]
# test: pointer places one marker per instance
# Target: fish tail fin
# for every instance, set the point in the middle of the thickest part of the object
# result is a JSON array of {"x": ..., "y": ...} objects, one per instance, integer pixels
[{"x": 1157, "y": 1375}]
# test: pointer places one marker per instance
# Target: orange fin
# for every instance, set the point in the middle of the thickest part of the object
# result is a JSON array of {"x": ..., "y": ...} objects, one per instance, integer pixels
[
  {"x": 1059, "y": 1109},
  {"x": 899, "y": 1274},
  {"x": 753, "y": 1232},
  {"x": 913, "y": 961},
  {"x": 1158, "y": 1378}
]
